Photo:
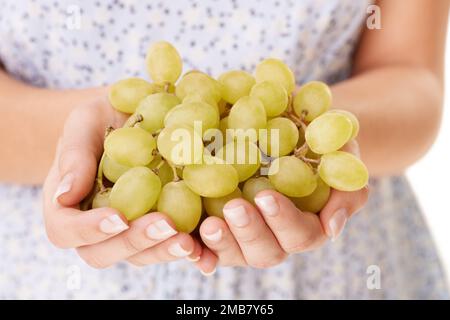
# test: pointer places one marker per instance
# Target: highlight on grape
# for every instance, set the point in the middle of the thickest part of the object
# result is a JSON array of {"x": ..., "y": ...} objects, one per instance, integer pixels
[{"x": 190, "y": 145}]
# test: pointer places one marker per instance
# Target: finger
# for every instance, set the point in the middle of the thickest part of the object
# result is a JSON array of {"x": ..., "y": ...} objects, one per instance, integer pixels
[
  {"x": 196, "y": 253},
  {"x": 257, "y": 242},
  {"x": 207, "y": 263},
  {"x": 177, "y": 247},
  {"x": 340, "y": 206},
  {"x": 144, "y": 233},
  {"x": 296, "y": 231},
  {"x": 218, "y": 238}
]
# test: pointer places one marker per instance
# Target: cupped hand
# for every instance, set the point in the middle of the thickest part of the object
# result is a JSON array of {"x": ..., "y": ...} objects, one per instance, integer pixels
[
  {"x": 101, "y": 236},
  {"x": 264, "y": 235}
]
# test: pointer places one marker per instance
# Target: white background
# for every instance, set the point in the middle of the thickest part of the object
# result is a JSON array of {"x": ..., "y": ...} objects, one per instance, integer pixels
[{"x": 430, "y": 178}]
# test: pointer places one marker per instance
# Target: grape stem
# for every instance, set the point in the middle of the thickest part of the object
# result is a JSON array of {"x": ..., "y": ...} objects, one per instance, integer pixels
[
  {"x": 301, "y": 151},
  {"x": 156, "y": 169},
  {"x": 308, "y": 160},
  {"x": 174, "y": 170},
  {"x": 134, "y": 120},
  {"x": 108, "y": 130}
]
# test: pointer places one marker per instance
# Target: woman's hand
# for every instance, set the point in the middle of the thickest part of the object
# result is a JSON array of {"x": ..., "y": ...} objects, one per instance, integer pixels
[
  {"x": 265, "y": 235},
  {"x": 101, "y": 236}
]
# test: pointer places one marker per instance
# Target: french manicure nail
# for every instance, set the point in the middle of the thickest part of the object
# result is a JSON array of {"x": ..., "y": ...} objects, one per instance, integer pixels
[
  {"x": 337, "y": 223},
  {"x": 160, "y": 230},
  {"x": 214, "y": 237},
  {"x": 237, "y": 216},
  {"x": 268, "y": 205},
  {"x": 208, "y": 274},
  {"x": 64, "y": 186},
  {"x": 113, "y": 224},
  {"x": 193, "y": 259},
  {"x": 177, "y": 250}
]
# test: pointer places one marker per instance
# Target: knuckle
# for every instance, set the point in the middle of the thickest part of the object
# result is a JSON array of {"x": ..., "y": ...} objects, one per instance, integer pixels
[
  {"x": 301, "y": 245},
  {"x": 131, "y": 245},
  {"x": 86, "y": 236},
  {"x": 270, "y": 262}
]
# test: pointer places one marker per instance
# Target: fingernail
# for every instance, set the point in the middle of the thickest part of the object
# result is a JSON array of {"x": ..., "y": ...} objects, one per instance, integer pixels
[
  {"x": 337, "y": 223},
  {"x": 160, "y": 230},
  {"x": 64, "y": 186},
  {"x": 113, "y": 224},
  {"x": 193, "y": 259},
  {"x": 177, "y": 250},
  {"x": 237, "y": 216},
  {"x": 208, "y": 274},
  {"x": 268, "y": 205},
  {"x": 214, "y": 237}
]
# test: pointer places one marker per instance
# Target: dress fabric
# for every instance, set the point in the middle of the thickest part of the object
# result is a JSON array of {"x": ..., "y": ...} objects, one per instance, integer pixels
[{"x": 78, "y": 44}]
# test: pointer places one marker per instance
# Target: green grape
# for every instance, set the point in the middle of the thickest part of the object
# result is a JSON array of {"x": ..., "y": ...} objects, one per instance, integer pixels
[
  {"x": 199, "y": 83},
  {"x": 243, "y": 155},
  {"x": 253, "y": 186},
  {"x": 292, "y": 177},
  {"x": 163, "y": 63},
  {"x": 154, "y": 108},
  {"x": 164, "y": 171},
  {"x": 343, "y": 171},
  {"x": 181, "y": 204},
  {"x": 235, "y": 85},
  {"x": 213, "y": 178},
  {"x": 130, "y": 146},
  {"x": 316, "y": 200},
  {"x": 113, "y": 170},
  {"x": 214, "y": 206},
  {"x": 277, "y": 71},
  {"x": 188, "y": 113},
  {"x": 329, "y": 132},
  {"x": 223, "y": 126},
  {"x": 285, "y": 136},
  {"x": 312, "y": 100},
  {"x": 195, "y": 97},
  {"x": 352, "y": 118},
  {"x": 135, "y": 193},
  {"x": 247, "y": 113},
  {"x": 272, "y": 95},
  {"x": 180, "y": 145},
  {"x": 125, "y": 95},
  {"x": 101, "y": 199}
]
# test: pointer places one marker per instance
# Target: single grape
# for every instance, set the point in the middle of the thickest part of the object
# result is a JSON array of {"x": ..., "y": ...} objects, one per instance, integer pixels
[
  {"x": 247, "y": 113},
  {"x": 130, "y": 147},
  {"x": 199, "y": 83},
  {"x": 243, "y": 155},
  {"x": 154, "y": 108},
  {"x": 195, "y": 97},
  {"x": 312, "y": 100},
  {"x": 163, "y": 63},
  {"x": 125, "y": 95},
  {"x": 188, "y": 113},
  {"x": 235, "y": 85},
  {"x": 101, "y": 199},
  {"x": 280, "y": 139},
  {"x": 181, "y": 204},
  {"x": 213, "y": 178},
  {"x": 214, "y": 206},
  {"x": 292, "y": 177},
  {"x": 277, "y": 71},
  {"x": 343, "y": 171},
  {"x": 113, "y": 170},
  {"x": 164, "y": 171},
  {"x": 135, "y": 193},
  {"x": 329, "y": 132},
  {"x": 272, "y": 95},
  {"x": 254, "y": 185},
  {"x": 180, "y": 145},
  {"x": 316, "y": 201},
  {"x": 352, "y": 118}
]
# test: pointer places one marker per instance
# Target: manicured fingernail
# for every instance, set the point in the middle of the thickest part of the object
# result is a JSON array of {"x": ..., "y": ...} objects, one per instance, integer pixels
[
  {"x": 177, "y": 250},
  {"x": 337, "y": 223},
  {"x": 214, "y": 237},
  {"x": 64, "y": 186},
  {"x": 160, "y": 230},
  {"x": 268, "y": 205},
  {"x": 193, "y": 259},
  {"x": 113, "y": 224},
  {"x": 237, "y": 216},
  {"x": 208, "y": 274}
]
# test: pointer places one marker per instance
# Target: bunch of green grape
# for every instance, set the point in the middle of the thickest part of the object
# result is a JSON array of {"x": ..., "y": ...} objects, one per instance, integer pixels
[{"x": 190, "y": 145}]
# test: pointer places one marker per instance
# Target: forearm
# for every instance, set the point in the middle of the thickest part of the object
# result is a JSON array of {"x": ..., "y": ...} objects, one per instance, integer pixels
[
  {"x": 30, "y": 124},
  {"x": 399, "y": 109}
]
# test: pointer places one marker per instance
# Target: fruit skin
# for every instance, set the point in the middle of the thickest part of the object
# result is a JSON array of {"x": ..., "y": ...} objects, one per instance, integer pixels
[
  {"x": 272, "y": 95},
  {"x": 164, "y": 173},
  {"x": 163, "y": 63},
  {"x": 189, "y": 112},
  {"x": 235, "y": 85},
  {"x": 113, "y": 170},
  {"x": 313, "y": 97},
  {"x": 292, "y": 177},
  {"x": 182, "y": 205},
  {"x": 125, "y": 95},
  {"x": 214, "y": 206},
  {"x": 353, "y": 120},
  {"x": 288, "y": 136},
  {"x": 130, "y": 146},
  {"x": 316, "y": 201},
  {"x": 275, "y": 70},
  {"x": 247, "y": 113},
  {"x": 343, "y": 171},
  {"x": 101, "y": 199},
  {"x": 135, "y": 193},
  {"x": 254, "y": 185},
  {"x": 199, "y": 83}
]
